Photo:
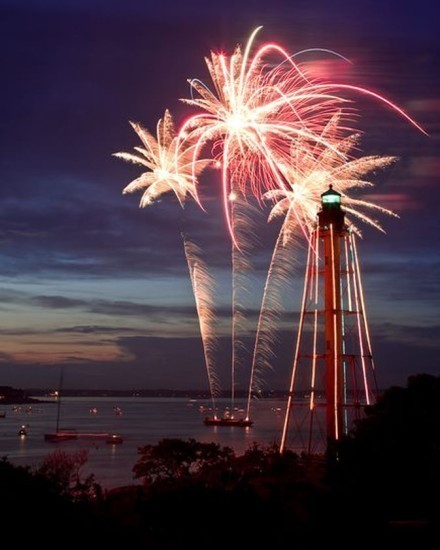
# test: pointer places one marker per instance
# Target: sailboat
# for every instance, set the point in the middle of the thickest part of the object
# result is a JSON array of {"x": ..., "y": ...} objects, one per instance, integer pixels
[
  {"x": 63, "y": 434},
  {"x": 66, "y": 434}
]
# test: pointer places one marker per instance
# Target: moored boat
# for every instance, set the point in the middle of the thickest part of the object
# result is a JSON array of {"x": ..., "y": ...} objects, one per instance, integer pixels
[
  {"x": 61, "y": 435},
  {"x": 68, "y": 434},
  {"x": 114, "y": 439},
  {"x": 227, "y": 421},
  {"x": 109, "y": 437},
  {"x": 22, "y": 432}
]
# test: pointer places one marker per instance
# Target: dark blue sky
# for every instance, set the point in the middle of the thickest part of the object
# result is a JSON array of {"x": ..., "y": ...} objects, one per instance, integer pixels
[{"x": 90, "y": 280}]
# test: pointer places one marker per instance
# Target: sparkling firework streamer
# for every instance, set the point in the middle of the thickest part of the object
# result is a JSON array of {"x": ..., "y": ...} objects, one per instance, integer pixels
[
  {"x": 281, "y": 267},
  {"x": 169, "y": 168},
  {"x": 203, "y": 285},
  {"x": 243, "y": 216}
]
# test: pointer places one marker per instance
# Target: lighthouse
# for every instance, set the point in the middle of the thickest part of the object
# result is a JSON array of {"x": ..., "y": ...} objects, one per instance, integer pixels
[{"x": 333, "y": 373}]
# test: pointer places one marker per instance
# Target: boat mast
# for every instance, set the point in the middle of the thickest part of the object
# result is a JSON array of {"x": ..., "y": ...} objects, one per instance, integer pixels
[{"x": 60, "y": 385}]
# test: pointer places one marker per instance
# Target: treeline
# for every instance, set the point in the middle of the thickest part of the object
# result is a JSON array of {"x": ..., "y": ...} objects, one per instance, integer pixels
[{"x": 379, "y": 487}]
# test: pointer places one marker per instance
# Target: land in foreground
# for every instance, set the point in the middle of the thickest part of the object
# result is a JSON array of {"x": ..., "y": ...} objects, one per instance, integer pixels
[{"x": 382, "y": 482}]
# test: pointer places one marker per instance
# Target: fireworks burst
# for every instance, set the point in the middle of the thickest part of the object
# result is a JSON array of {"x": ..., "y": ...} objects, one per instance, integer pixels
[
  {"x": 253, "y": 116},
  {"x": 311, "y": 171},
  {"x": 259, "y": 109},
  {"x": 168, "y": 167}
]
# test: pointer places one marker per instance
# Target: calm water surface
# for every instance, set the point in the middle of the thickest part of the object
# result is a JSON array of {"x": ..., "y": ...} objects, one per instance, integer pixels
[{"x": 143, "y": 420}]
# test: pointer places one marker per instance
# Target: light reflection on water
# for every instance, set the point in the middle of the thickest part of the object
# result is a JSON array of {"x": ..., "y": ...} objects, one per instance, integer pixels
[{"x": 143, "y": 421}]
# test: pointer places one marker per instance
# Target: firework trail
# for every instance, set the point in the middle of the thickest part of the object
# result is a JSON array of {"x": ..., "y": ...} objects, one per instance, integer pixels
[
  {"x": 202, "y": 284},
  {"x": 311, "y": 171},
  {"x": 171, "y": 168},
  {"x": 281, "y": 267},
  {"x": 243, "y": 218}
]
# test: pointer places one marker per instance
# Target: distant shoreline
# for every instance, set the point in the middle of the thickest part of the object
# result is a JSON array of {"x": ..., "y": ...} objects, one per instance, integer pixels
[
  {"x": 13, "y": 396},
  {"x": 45, "y": 395},
  {"x": 190, "y": 394}
]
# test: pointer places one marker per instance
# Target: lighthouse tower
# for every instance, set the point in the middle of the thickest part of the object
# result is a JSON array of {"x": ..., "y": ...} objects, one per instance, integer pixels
[{"x": 333, "y": 373}]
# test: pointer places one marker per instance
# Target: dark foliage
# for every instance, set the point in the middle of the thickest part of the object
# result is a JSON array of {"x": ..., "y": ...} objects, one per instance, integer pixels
[
  {"x": 177, "y": 459},
  {"x": 200, "y": 495},
  {"x": 34, "y": 510},
  {"x": 62, "y": 471},
  {"x": 390, "y": 463}
]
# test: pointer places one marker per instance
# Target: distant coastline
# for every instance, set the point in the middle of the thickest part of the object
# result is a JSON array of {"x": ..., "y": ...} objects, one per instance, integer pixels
[
  {"x": 9, "y": 395},
  {"x": 14, "y": 396},
  {"x": 160, "y": 392}
]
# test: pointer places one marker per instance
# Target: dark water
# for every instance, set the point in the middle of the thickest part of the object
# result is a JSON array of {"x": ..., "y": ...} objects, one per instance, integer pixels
[{"x": 143, "y": 420}]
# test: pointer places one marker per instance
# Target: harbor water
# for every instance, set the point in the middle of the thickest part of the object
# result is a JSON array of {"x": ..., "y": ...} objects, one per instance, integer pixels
[{"x": 138, "y": 420}]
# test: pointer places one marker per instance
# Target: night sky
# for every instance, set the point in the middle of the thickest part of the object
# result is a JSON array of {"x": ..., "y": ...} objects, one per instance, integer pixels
[{"x": 91, "y": 281}]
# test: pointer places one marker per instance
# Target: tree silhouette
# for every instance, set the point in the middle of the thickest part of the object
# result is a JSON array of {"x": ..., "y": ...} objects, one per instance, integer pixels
[{"x": 391, "y": 460}]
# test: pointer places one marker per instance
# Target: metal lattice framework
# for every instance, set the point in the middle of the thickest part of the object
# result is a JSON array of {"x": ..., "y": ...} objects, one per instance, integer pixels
[{"x": 333, "y": 373}]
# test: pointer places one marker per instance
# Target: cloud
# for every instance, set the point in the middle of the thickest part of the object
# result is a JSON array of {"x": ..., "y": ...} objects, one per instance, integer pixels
[
  {"x": 96, "y": 329},
  {"x": 56, "y": 302},
  {"x": 415, "y": 335},
  {"x": 155, "y": 362}
]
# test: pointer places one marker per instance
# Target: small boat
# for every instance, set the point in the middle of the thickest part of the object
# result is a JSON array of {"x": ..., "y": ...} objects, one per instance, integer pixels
[
  {"x": 22, "y": 432},
  {"x": 65, "y": 434},
  {"x": 108, "y": 437},
  {"x": 117, "y": 411},
  {"x": 114, "y": 439},
  {"x": 69, "y": 434},
  {"x": 60, "y": 434},
  {"x": 227, "y": 421}
]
